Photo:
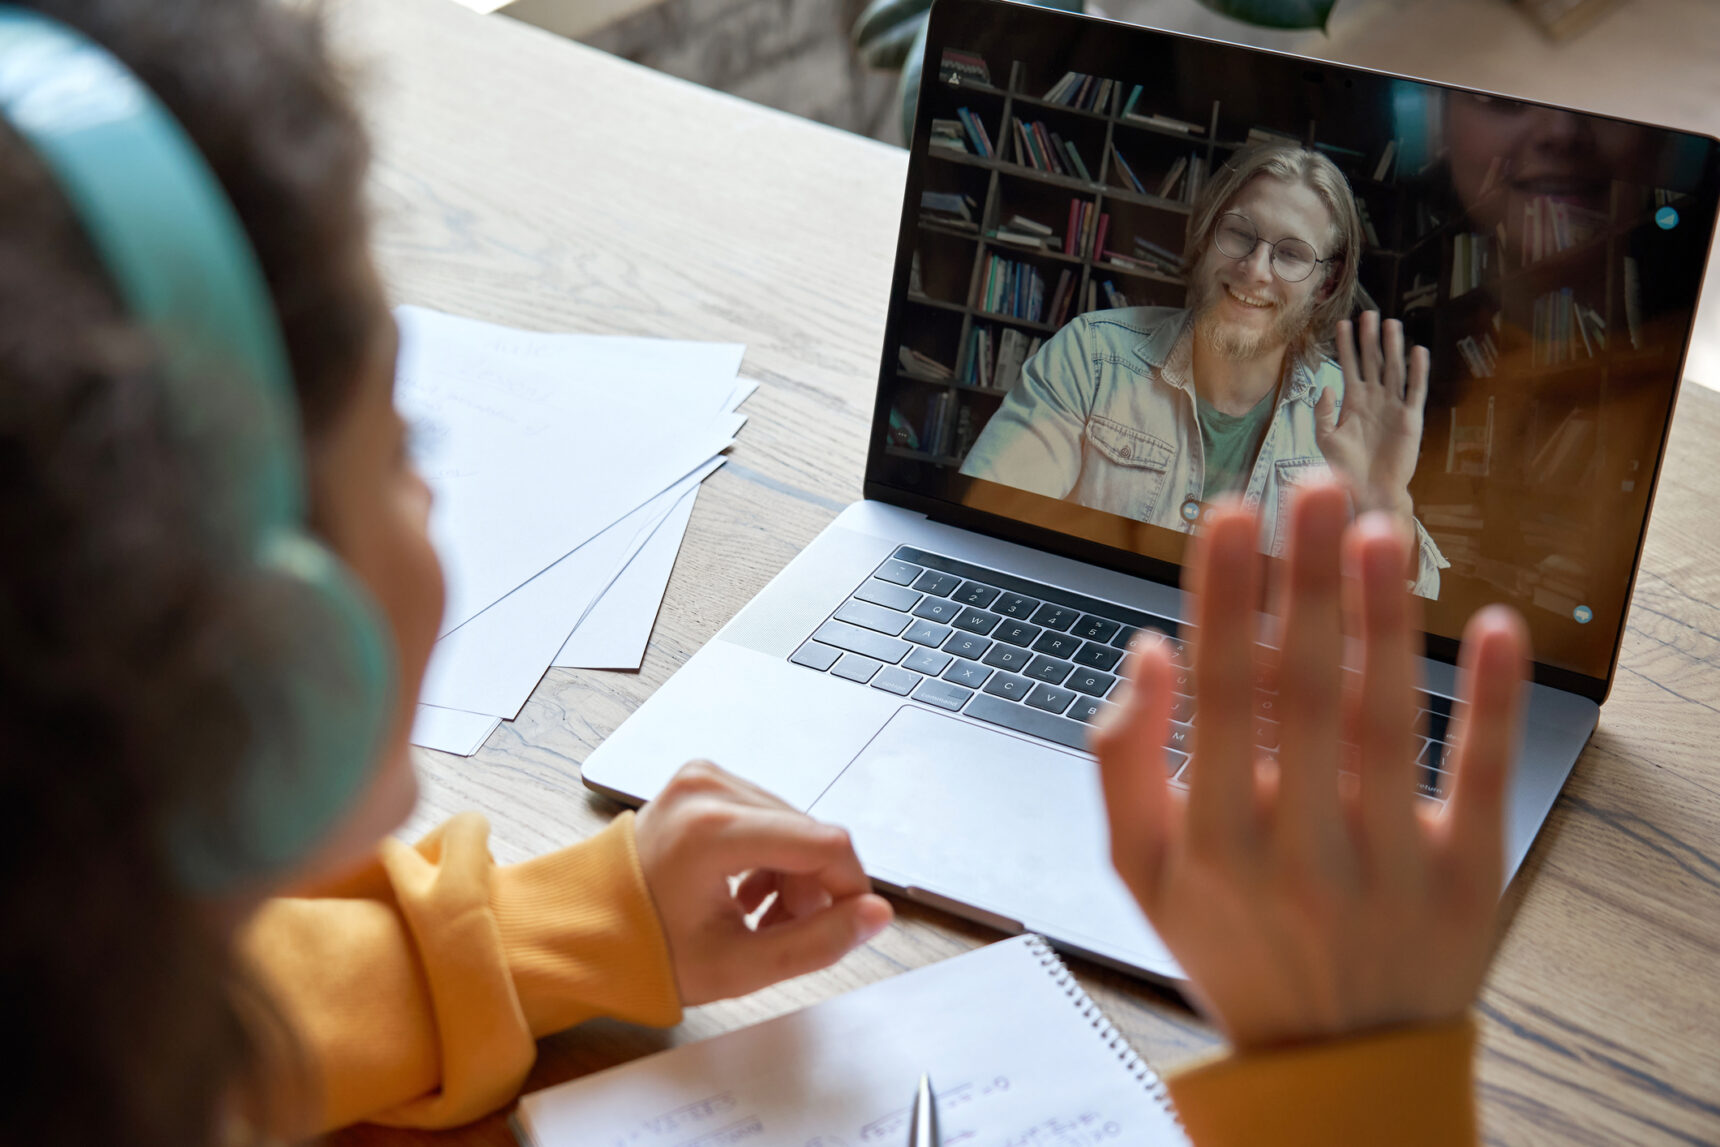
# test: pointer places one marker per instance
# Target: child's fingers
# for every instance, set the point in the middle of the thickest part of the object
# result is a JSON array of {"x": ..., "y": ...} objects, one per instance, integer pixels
[
  {"x": 1492, "y": 666},
  {"x": 738, "y": 837},
  {"x": 1130, "y": 745},
  {"x": 1310, "y": 688},
  {"x": 784, "y": 948},
  {"x": 1221, "y": 779}
]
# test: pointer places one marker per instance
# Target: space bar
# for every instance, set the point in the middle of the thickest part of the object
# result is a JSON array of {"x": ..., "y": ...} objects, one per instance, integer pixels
[{"x": 1033, "y": 722}]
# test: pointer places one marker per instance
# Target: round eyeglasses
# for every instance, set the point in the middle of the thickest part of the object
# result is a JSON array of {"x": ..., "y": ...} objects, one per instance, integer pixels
[{"x": 1292, "y": 259}]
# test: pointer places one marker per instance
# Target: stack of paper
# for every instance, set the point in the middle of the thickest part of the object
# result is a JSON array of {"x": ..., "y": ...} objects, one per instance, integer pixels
[{"x": 564, "y": 469}]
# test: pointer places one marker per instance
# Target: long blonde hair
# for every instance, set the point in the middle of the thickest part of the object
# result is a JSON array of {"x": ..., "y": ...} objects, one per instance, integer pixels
[{"x": 1297, "y": 165}]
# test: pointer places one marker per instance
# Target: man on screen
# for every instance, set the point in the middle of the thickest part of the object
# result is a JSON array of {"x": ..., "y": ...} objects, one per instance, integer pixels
[{"x": 1153, "y": 412}]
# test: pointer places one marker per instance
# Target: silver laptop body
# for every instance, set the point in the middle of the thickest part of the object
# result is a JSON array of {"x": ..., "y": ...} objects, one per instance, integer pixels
[{"x": 993, "y": 813}]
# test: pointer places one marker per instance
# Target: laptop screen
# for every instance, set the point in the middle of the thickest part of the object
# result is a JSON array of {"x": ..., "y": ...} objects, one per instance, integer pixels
[{"x": 1124, "y": 255}]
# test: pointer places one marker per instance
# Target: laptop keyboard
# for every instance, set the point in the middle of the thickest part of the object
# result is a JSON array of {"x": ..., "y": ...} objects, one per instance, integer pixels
[{"x": 1026, "y": 656}]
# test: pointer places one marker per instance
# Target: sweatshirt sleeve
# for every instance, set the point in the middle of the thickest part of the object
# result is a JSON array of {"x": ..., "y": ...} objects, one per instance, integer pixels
[
  {"x": 1409, "y": 1087},
  {"x": 416, "y": 989}
]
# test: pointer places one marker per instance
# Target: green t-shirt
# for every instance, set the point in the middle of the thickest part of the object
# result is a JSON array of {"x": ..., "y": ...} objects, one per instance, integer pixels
[{"x": 1232, "y": 441}]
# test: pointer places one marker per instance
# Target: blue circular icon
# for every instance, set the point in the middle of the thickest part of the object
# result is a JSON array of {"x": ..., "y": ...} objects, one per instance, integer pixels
[
  {"x": 1190, "y": 510},
  {"x": 1667, "y": 217},
  {"x": 1583, "y": 614}
]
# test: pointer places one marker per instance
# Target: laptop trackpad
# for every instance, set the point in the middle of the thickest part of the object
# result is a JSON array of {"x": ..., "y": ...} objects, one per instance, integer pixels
[{"x": 1000, "y": 823}]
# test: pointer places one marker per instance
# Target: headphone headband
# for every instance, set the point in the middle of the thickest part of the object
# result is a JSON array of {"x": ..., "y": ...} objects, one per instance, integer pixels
[{"x": 175, "y": 251}]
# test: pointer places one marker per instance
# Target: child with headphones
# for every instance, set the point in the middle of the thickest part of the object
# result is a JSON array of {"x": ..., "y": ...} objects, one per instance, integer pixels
[{"x": 217, "y": 600}]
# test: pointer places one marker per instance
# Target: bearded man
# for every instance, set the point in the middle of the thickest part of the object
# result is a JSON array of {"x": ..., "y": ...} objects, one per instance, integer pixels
[{"x": 1153, "y": 413}]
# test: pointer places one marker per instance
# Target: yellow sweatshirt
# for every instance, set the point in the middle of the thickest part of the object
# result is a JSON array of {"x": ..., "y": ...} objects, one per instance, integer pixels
[{"x": 418, "y": 987}]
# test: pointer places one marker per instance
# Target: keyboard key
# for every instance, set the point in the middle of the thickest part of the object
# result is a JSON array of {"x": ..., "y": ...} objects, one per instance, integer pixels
[
  {"x": 1432, "y": 755},
  {"x": 928, "y": 633},
  {"x": 1017, "y": 633},
  {"x": 887, "y": 595},
  {"x": 943, "y": 694},
  {"x": 976, "y": 620},
  {"x": 1182, "y": 707},
  {"x": 1181, "y": 738},
  {"x": 977, "y": 595},
  {"x": 1055, "y": 616},
  {"x": 969, "y": 673},
  {"x": 939, "y": 609},
  {"x": 1091, "y": 682},
  {"x": 1033, "y": 722},
  {"x": 1057, "y": 645},
  {"x": 1048, "y": 669},
  {"x": 1266, "y": 705},
  {"x": 1050, "y": 698},
  {"x": 1008, "y": 686},
  {"x": 894, "y": 679},
  {"x": 927, "y": 661},
  {"x": 1430, "y": 782},
  {"x": 815, "y": 656},
  {"x": 856, "y": 668},
  {"x": 1176, "y": 765},
  {"x": 937, "y": 584},
  {"x": 1010, "y": 657},
  {"x": 1101, "y": 657},
  {"x": 969, "y": 645},
  {"x": 853, "y": 639},
  {"x": 873, "y": 617},
  {"x": 1121, "y": 638},
  {"x": 1094, "y": 628},
  {"x": 1088, "y": 709},
  {"x": 1265, "y": 733},
  {"x": 900, "y": 572},
  {"x": 1015, "y": 605}
]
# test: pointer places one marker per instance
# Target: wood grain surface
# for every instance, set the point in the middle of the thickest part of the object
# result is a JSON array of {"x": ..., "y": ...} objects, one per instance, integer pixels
[{"x": 527, "y": 180}]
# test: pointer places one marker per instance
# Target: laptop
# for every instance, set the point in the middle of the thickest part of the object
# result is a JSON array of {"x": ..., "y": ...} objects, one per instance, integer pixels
[{"x": 926, "y": 672}]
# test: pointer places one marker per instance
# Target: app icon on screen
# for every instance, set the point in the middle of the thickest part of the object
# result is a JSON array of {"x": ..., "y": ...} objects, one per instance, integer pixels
[
  {"x": 1583, "y": 614},
  {"x": 1667, "y": 217}
]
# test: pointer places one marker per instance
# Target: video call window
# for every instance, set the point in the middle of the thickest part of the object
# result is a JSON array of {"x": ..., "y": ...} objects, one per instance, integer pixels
[{"x": 1067, "y": 251}]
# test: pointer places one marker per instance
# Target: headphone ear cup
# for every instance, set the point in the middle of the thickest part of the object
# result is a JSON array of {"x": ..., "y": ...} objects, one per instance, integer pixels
[{"x": 317, "y": 716}]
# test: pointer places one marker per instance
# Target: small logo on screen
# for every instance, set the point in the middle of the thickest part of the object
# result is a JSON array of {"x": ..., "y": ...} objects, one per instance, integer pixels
[
  {"x": 1667, "y": 217},
  {"x": 1583, "y": 614}
]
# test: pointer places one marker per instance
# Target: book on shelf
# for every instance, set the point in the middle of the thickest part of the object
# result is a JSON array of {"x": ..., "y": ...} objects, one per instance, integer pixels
[
  {"x": 1013, "y": 289},
  {"x": 1469, "y": 450},
  {"x": 1079, "y": 90},
  {"x": 1561, "y": 329},
  {"x": 1419, "y": 295},
  {"x": 1470, "y": 257},
  {"x": 1386, "y": 165},
  {"x": 1130, "y": 180},
  {"x": 916, "y": 285},
  {"x": 1129, "y": 104},
  {"x": 1092, "y": 297},
  {"x": 1014, "y": 348},
  {"x": 977, "y": 368},
  {"x": 935, "y": 436},
  {"x": 1113, "y": 297},
  {"x": 1061, "y": 297},
  {"x": 976, "y": 132},
  {"x": 1168, "y": 185},
  {"x": 1167, "y": 123},
  {"x": 1195, "y": 183},
  {"x": 1077, "y": 241},
  {"x": 1075, "y": 159},
  {"x": 1564, "y": 459},
  {"x": 1552, "y": 225},
  {"x": 1272, "y": 135},
  {"x": 949, "y": 209},
  {"x": 1166, "y": 260},
  {"x": 1480, "y": 356},
  {"x": 1099, "y": 235},
  {"x": 922, "y": 366},
  {"x": 958, "y": 67},
  {"x": 950, "y": 135}
]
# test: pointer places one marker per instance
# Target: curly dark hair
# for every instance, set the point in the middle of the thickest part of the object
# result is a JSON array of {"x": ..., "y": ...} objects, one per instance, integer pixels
[{"x": 123, "y": 616}]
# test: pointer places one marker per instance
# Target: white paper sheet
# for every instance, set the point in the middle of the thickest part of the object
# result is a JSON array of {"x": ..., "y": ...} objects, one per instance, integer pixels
[
  {"x": 536, "y": 443},
  {"x": 618, "y": 628},
  {"x": 451, "y": 730},
  {"x": 493, "y": 662}
]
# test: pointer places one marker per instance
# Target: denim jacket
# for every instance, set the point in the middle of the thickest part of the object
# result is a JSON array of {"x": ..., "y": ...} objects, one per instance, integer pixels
[{"x": 1105, "y": 416}]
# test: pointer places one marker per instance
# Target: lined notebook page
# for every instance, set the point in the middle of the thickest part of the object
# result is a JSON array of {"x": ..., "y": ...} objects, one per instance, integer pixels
[{"x": 1017, "y": 1052}]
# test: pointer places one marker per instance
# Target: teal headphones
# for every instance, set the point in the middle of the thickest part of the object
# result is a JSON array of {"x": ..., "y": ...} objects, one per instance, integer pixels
[{"x": 179, "y": 259}]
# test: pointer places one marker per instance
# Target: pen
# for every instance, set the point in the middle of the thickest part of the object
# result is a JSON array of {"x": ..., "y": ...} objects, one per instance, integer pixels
[{"x": 923, "y": 1122}]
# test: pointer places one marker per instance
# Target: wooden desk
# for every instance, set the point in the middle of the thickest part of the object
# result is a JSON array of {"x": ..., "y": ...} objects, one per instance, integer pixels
[{"x": 632, "y": 203}]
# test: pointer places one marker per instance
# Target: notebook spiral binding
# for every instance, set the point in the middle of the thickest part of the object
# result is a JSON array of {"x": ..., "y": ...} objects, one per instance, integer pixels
[{"x": 1114, "y": 1039}]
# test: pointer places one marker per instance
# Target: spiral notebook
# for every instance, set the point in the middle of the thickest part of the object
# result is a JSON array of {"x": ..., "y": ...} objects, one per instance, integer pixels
[{"x": 1018, "y": 1053}]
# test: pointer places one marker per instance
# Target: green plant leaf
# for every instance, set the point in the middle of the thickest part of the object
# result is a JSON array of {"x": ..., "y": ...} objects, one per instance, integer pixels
[
  {"x": 1275, "y": 13},
  {"x": 908, "y": 87}
]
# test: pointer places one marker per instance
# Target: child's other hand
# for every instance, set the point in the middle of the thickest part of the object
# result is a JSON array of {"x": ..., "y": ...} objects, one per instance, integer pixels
[
  {"x": 1303, "y": 903},
  {"x": 707, "y": 826}
]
